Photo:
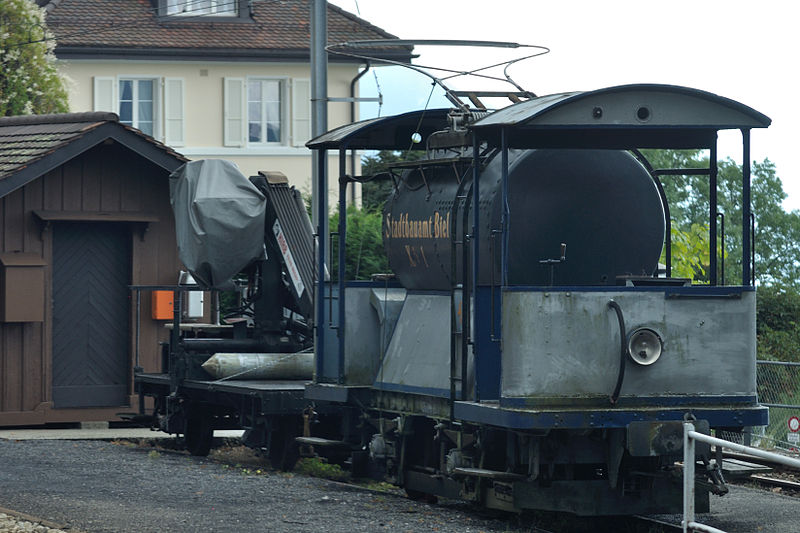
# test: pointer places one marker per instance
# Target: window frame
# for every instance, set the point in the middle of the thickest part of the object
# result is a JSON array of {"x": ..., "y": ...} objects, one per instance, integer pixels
[
  {"x": 240, "y": 13},
  {"x": 283, "y": 102}
]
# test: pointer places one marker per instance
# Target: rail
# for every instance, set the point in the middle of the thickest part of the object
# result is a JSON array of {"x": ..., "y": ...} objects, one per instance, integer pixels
[{"x": 689, "y": 437}]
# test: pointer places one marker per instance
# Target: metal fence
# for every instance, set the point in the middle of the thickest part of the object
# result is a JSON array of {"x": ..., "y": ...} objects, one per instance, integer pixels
[
  {"x": 779, "y": 389},
  {"x": 689, "y": 437}
]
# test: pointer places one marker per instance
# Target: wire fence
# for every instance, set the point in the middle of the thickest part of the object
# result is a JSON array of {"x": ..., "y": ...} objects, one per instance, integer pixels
[{"x": 778, "y": 385}]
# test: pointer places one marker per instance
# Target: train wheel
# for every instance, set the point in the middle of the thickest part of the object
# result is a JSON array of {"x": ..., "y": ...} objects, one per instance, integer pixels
[
  {"x": 419, "y": 496},
  {"x": 198, "y": 435},
  {"x": 283, "y": 452}
]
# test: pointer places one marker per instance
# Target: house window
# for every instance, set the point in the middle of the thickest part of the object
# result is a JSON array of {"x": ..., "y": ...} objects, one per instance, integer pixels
[
  {"x": 137, "y": 104},
  {"x": 264, "y": 111},
  {"x": 219, "y": 8}
]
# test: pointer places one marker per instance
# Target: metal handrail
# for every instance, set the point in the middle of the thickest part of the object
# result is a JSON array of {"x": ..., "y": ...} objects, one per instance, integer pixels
[{"x": 689, "y": 437}]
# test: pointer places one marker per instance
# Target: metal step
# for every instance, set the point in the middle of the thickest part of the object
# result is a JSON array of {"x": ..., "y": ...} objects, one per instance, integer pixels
[
  {"x": 489, "y": 474},
  {"x": 319, "y": 441},
  {"x": 737, "y": 468}
]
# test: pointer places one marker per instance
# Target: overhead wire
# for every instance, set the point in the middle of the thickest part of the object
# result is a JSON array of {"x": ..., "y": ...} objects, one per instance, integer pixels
[{"x": 374, "y": 71}]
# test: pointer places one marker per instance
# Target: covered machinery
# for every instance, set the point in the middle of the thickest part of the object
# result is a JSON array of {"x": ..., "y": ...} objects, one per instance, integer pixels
[{"x": 249, "y": 371}]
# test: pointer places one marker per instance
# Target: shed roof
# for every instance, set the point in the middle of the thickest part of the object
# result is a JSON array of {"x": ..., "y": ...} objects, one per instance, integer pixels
[
  {"x": 32, "y": 145},
  {"x": 133, "y": 29}
]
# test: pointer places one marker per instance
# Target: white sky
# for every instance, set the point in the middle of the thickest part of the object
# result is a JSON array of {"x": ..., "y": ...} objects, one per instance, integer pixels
[{"x": 743, "y": 50}]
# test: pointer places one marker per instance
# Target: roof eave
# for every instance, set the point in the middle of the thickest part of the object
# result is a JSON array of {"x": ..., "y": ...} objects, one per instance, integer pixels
[{"x": 213, "y": 54}]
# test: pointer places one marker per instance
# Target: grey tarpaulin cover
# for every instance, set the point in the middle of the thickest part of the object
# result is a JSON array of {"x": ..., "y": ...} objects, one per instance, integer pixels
[{"x": 219, "y": 220}]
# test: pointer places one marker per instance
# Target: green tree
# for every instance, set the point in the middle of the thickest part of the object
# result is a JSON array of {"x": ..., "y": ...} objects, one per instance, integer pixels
[
  {"x": 375, "y": 191},
  {"x": 29, "y": 80},
  {"x": 777, "y": 232},
  {"x": 364, "y": 253}
]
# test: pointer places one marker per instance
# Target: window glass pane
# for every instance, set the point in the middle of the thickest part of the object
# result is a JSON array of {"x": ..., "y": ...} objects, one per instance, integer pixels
[
  {"x": 145, "y": 112},
  {"x": 254, "y": 132},
  {"x": 199, "y": 7},
  {"x": 146, "y": 127},
  {"x": 273, "y": 132},
  {"x": 273, "y": 112},
  {"x": 225, "y": 6},
  {"x": 126, "y": 113},
  {"x": 125, "y": 90},
  {"x": 254, "y": 112},
  {"x": 146, "y": 90},
  {"x": 254, "y": 91},
  {"x": 272, "y": 91}
]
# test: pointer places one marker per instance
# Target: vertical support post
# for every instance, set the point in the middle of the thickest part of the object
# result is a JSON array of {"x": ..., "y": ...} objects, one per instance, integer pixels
[
  {"x": 688, "y": 477},
  {"x": 747, "y": 275},
  {"x": 136, "y": 366},
  {"x": 712, "y": 215},
  {"x": 476, "y": 261},
  {"x": 175, "y": 367},
  {"x": 319, "y": 103},
  {"x": 321, "y": 214},
  {"x": 506, "y": 211},
  {"x": 342, "y": 239}
]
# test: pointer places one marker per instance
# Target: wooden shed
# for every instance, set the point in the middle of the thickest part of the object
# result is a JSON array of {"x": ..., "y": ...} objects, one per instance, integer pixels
[{"x": 84, "y": 213}]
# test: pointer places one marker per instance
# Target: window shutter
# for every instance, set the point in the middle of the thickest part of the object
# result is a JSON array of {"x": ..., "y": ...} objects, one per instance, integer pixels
[
  {"x": 174, "y": 129},
  {"x": 234, "y": 119},
  {"x": 301, "y": 111},
  {"x": 105, "y": 94}
]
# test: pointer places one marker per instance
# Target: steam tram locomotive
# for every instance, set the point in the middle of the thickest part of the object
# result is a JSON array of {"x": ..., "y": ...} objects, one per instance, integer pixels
[
  {"x": 528, "y": 355},
  {"x": 527, "y": 351}
]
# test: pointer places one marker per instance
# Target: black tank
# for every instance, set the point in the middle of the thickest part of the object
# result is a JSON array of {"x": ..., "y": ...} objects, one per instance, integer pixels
[{"x": 602, "y": 204}]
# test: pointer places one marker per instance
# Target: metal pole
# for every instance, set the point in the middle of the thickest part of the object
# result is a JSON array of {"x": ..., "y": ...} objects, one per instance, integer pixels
[
  {"x": 319, "y": 177},
  {"x": 321, "y": 214},
  {"x": 712, "y": 215},
  {"x": 136, "y": 367},
  {"x": 506, "y": 210},
  {"x": 688, "y": 476},
  {"x": 746, "y": 243},
  {"x": 319, "y": 103},
  {"x": 342, "y": 239},
  {"x": 476, "y": 260}
]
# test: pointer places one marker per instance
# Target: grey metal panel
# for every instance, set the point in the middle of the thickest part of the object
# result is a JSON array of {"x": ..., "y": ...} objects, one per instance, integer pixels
[
  {"x": 363, "y": 348},
  {"x": 566, "y": 344},
  {"x": 418, "y": 357},
  {"x": 91, "y": 274}
]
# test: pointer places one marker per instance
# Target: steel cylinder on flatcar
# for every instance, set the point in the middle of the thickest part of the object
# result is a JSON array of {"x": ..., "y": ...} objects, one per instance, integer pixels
[{"x": 602, "y": 204}]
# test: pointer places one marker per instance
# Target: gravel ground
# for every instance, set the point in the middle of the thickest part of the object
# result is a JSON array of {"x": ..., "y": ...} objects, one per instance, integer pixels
[
  {"x": 97, "y": 487},
  {"x": 15, "y": 524},
  {"x": 103, "y": 487}
]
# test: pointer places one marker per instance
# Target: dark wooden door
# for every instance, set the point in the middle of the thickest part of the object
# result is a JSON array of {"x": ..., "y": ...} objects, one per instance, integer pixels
[{"x": 91, "y": 273}]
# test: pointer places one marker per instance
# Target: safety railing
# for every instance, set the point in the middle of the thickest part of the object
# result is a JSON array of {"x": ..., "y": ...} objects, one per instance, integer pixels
[{"x": 689, "y": 437}]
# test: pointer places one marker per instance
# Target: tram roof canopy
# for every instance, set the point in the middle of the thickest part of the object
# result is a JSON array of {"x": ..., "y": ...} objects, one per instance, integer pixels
[{"x": 627, "y": 116}]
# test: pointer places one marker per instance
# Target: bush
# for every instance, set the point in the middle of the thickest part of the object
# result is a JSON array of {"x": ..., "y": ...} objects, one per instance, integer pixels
[{"x": 777, "y": 324}]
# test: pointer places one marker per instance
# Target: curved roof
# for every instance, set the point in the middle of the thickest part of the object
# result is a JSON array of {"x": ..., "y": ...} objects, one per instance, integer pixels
[
  {"x": 626, "y": 116},
  {"x": 644, "y": 115},
  {"x": 384, "y": 133}
]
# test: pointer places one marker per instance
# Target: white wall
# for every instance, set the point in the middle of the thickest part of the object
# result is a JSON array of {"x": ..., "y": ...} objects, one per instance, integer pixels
[{"x": 203, "y": 103}]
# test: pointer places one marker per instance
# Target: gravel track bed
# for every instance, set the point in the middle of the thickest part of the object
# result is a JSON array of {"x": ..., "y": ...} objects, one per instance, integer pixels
[{"x": 99, "y": 486}]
